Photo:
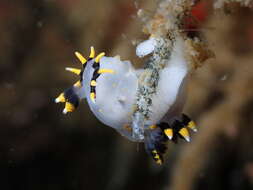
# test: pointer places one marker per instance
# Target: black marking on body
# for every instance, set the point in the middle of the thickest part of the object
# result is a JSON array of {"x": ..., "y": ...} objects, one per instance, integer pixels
[
  {"x": 96, "y": 66},
  {"x": 71, "y": 96}
]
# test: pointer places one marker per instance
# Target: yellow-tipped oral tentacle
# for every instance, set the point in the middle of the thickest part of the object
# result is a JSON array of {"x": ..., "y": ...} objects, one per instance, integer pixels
[
  {"x": 100, "y": 71},
  {"x": 60, "y": 98},
  {"x": 92, "y": 52},
  {"x": 68, "y": 108},
  {"x": 73, "y": 70},
  {"x": 97, "y": 59},
  {"x": 80, "y": 57}
]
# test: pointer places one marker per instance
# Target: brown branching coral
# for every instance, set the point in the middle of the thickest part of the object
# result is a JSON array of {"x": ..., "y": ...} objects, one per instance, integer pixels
[
  {"x": 168, "y": 22},
  {"x": 225, "y": 121},
  {"x": 221, "y": 3}
]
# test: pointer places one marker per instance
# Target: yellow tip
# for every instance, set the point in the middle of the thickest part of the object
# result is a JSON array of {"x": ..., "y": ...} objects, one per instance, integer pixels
[
  {"x": 78, "y": 84},
  {"x": 92, "y": 52},
  {"x": 92, "y": 97},
  {"x": 169, "y": 133},
  {"x": 93, "y": 83},
  {"x": 157, "y": 157},
  {"x": 68, "y": 108},
  {"x": 159, "y": 162},
  {"x": 99, "y": 57},
  {"x": 185, "y": 133},
  {"x": 100, "y": 71},
  {"x": 152, "y": 126},
  {"x": 73, "y": 70},
  {"x": 80, "y": 57},
  {"x": 192, "y": 126},
  {"x": 60, "y": 98}
]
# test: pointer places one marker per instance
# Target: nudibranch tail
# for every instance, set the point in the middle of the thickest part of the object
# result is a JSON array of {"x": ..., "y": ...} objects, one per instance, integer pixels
[
  {"x": 155, "y": 143},
  {"x": 156, "y": 136}
]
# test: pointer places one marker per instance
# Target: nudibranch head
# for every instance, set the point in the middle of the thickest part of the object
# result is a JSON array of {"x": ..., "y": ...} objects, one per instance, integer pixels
[
  {"x": 109, "y": 86},
  {"x": 143, "y": 105}
]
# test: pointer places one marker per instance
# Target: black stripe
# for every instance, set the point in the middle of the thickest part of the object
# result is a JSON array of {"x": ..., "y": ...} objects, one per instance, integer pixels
[
  {"x": 81, "y": 75},
  {"x": 96, "y": 65},
  {"x": 92, "y": 89},
  {"x": 95, "y": 75},
  {"x": 71, "y": 96},
  {"x": 185, "y": 120}
]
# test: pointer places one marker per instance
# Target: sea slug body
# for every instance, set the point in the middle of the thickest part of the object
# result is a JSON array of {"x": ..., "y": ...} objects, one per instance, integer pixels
[{"x": 144, "y": 105}]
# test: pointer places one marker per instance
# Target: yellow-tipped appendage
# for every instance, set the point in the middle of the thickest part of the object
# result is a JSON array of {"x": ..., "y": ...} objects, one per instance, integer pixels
[
  {"x": 92, "y": 52},
  {"x": 92, "y": 97},
  {"x": 97, "y": 59},
  {"x": 157, "y": 157},
  {"x": 185, "y": 133},
  {"x": 73, "y": 70},
  {"x": 192, "y": 126},
  {"x": 169, "y": 133},
  {"x": 60, "y": 98},
  {"x": 152, "y": 126},
  {"x": 93, "y": 83},
  {"x": 78, "y": 84},
  {"x": 100, "y": 71},
  {"x": 80, "y": 57},
  {"x": 68, "y": 108}
]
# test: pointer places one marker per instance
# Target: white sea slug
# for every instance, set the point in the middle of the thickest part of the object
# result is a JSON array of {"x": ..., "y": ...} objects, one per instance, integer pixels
[{"x": 144, "y": 105}]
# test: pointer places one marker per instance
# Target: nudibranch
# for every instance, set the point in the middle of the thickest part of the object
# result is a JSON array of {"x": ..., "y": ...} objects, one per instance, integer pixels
[{"x": 144, "y": 105}]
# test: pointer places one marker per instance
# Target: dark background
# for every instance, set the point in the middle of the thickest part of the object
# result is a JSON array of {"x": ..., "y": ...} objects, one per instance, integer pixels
[{"x": 40, "y": 148}]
